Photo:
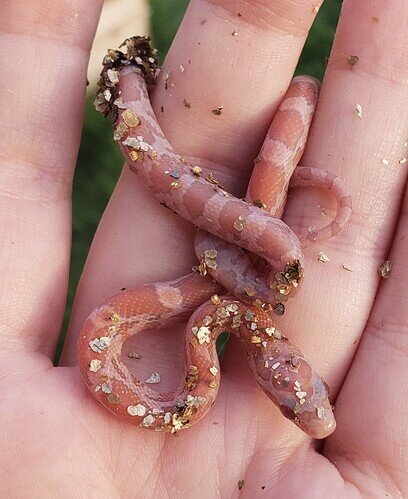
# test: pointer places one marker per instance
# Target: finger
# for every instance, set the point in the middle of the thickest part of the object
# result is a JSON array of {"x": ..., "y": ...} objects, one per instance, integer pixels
[
  {"x": 45, "y": 52},
  {"x": 205, "y": 73},
  {"x": 373, "y": 399},
  {"x": 332, "y": 308}
]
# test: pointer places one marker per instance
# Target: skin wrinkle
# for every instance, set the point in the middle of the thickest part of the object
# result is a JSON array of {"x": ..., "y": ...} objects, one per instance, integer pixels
[
  {"x": 57, "y": 278},
  {"x": 366, "y": 242},
  {"x": 226, "y": 173},
  {"x": 295, "y": 454},
  {"x": 269, "y": 15},
  {"x": 105, "y": 469},
  {"x": 378, "y": 469},
  {"x": 362, "y": 239},
  {"x": 10, "y": 341},
  {"x": 46, "y": 184},
  {"x": 209, "y": 153},
  {"x": 18, "y": 293},
  {"x": 34, "y": 38},
  {"x": 390, "y": 335},
  {"x": 41, "y": 20},
  {"x": 391, "y": 68},
  {"x": 241, "y": 475},
  {"x": 154, "y": 454},
  {"x": 173, "y": 485},
  {"x": 207, "y": 156},
  {"x": 114, "y": 461},
  {"x": 163, "y": 465},
  {"x": 224, "y": 458},
  {"x": 284, "y": 471},
  {"x": 370, "y": 74}
]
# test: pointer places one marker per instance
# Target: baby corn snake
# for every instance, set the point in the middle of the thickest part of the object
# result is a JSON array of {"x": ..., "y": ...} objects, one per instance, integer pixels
[{"x": 261, "y": 280}]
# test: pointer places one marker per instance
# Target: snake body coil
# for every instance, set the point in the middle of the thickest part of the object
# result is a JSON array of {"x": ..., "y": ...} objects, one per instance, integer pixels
[{"x": 255, "y": 284}]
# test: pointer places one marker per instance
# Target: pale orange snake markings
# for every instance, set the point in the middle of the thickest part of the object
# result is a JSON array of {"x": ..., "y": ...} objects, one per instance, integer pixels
[{"x": 258, "y": 283}]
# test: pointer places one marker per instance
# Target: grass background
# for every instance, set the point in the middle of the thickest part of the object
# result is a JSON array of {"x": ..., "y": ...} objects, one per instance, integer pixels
[{"x": 99, "y": 160}]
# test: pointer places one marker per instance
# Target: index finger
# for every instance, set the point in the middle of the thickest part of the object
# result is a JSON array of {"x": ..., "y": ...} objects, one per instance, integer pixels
[{"x": 45, "y": 48}]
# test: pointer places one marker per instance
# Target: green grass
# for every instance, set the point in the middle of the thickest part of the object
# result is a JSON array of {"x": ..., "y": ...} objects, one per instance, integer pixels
[
  {"x": 99, "y": 160},
  {"x": 166, "y": 18}
]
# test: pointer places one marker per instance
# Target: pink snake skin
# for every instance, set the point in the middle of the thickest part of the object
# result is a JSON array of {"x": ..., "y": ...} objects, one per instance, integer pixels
[{"x": 236, "y": 291}]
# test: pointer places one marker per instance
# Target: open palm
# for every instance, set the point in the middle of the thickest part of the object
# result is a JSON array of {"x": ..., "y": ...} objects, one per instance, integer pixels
[{"x": 56, "y": 441}]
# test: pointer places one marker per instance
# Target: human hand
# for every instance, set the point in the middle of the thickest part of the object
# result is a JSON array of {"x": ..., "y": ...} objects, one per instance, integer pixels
[{"x": 57, "y": 441}]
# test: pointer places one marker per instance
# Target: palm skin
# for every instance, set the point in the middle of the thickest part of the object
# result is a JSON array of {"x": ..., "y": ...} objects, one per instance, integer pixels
[
  {"x": 68, "y": 446},
  {"x": 57, "y": 441}
]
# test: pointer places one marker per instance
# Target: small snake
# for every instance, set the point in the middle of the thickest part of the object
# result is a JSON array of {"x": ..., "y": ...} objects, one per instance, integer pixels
[{"x": 250, "y": 263}]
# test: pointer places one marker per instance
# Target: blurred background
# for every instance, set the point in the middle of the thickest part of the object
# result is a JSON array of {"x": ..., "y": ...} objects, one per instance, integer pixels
[{"x": 99, "y": 160}]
